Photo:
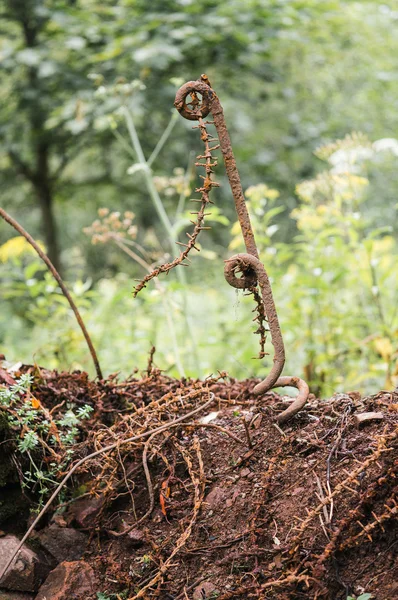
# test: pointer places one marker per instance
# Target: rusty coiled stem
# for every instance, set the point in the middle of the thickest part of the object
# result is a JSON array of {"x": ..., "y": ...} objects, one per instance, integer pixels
[{"x": 248, "y": 265}]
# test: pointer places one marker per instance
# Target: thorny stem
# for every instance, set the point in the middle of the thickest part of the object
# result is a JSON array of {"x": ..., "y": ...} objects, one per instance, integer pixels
[
  {"x": 163, "y": 217},
  {"x": 61, "y": 284},
  {"x": 93, "y": 455},
  {"x": 253, "y": 271},
  {"x": 198, "y": 224}
]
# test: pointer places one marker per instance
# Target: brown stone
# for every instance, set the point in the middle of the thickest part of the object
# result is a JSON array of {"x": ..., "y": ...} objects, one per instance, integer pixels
[
  {"x": 85, "y": 511},
  {"x": 366, "y": 417},
  {"x": 355, "y": 395},
  {"x": 63, "y": 543},
  {"x": 136, "y": 537},
  {"x": 28, "y": 569},
  {"x": 257, "y": 421},
  {"x": 298, "y": 490},
  {"x": 69, "y": 581},
  {"x": 204, "y": 591},
  {"x": 6, "y": 377},
  {"x": 214, "y": 498}
]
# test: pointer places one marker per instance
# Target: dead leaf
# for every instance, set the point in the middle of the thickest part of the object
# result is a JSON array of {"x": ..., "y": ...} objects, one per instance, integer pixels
[
  {"x": 164, "y": 493},
  {"x": 35, "y": 402}
]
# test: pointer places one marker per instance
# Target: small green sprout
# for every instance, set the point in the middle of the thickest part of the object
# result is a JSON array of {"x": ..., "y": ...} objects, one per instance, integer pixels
[{"x": 31, "y": 424}]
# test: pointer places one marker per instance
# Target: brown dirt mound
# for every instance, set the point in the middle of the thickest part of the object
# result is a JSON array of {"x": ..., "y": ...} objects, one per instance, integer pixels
[{"x": 229, "y": 505}]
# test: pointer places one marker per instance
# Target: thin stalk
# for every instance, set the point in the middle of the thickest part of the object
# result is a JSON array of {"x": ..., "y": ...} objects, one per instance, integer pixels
[
  {"x": 377, "y": 298},
  {"x": 123, "y": 143},
  {"x": 148, "y": 178},
  {"x": 173, "y": 336},
  {"x": 61, "y": 284},
  {"x": 138, "y": 246},
  {"x": 132, "y": 254},
  {"x": 164, "y": 300},
  {"x": 163, "y": 138},
  {"x": 181, "y": 200},
  {"x": 157, "y": 202}
]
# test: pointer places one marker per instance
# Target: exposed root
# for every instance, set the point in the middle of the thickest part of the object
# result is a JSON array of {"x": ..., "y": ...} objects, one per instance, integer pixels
[
  {"x": 106, "y": 449},
  {"x": 198, "y": 481},
  {"x": 279, "y": 517}
]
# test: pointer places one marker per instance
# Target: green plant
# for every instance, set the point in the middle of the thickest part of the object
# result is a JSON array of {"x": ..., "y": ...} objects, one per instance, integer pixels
[
  {"x": 361, "y": 597},
  {"x": 341, "y": 255},
  {"x": 111, "y": 227},
  {"x": 39, "y": 434},
  {"x": 65, "y": 292},
  {"x": 123, "y": 93},
  {"x": 146, "y": 559},
  {"x": 174, "y": 218},
  {"x": 337, "y": 289}
]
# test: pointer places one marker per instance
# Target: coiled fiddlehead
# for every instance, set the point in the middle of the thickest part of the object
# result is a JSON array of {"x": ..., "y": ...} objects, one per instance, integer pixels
[{"x": 250, "y": 267}]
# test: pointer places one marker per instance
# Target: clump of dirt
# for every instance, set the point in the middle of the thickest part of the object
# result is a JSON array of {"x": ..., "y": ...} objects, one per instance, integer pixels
[{"x": 226, "y": 503}]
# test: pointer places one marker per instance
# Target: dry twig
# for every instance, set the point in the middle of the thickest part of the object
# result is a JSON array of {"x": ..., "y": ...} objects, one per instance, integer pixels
[{"x": 61, "y": 284}]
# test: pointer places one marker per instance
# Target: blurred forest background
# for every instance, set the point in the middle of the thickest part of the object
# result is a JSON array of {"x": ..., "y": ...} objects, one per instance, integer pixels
[{"x": 98, "y": 166}]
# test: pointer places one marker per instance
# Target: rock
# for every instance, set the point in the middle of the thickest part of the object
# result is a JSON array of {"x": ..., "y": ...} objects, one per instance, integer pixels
[
  {"x": 63, "y": 543},
  {"x": 355, "y": 396},
  {"x": 204, "y": 591},
  {"x": 15, "y": 596},
  {"x": 59, "y": 520},
  {"x": 69, "y": 581},
  {"x": 136, "y": 537},
  {"x": 361, "y": 418},
  {"x": 27, "y": 571},
  {"x": 6, "y": 377},
  {"x": 257, "y": 421},
  {"x": 214, "y": 497},
  {"x": 210, "y": 417},
  {"x": 230, "y": 501},
  {"x": 85, "y": 511}
]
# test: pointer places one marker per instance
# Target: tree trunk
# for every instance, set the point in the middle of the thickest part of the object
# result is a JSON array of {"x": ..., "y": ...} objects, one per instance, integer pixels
[
  {"x": 45, "y": 199},
  {"x": 39, "y": 175},
  {"x": 44, "y": 193}
]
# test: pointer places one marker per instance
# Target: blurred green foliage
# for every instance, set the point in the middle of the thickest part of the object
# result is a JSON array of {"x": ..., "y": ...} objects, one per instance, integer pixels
[{"x": 292, "y": 76}]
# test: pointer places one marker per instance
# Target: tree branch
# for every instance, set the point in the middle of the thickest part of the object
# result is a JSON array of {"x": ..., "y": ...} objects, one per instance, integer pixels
[{"x": 22, "y": 166}]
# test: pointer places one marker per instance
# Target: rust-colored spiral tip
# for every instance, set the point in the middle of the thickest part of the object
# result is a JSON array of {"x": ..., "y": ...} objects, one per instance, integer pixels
[
  {"x": 200, "y": 86},
  {"x": 233, "y": 266}
]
